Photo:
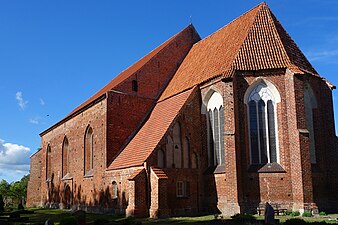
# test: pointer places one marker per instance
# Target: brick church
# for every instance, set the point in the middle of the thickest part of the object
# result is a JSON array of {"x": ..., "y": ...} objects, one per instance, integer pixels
[{"x": 220, "y": 124}]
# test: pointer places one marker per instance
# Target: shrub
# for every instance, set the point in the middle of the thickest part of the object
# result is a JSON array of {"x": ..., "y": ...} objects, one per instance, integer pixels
[
  {"x": 288, "y": 212},
  {"x": 294, "y": 221},
  {"x": 295, "y": 213},
  {"x": 322, "y": 213},
  {"x": 306, "y": 214},
  {"x": 71, "y": 220}
]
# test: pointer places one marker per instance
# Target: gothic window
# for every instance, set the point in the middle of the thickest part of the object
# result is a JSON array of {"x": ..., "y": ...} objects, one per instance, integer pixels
[
  {"x": 48, "y": 163},
  {"x": 261, "y": 104},
  {"x": 114, "y": 194},
  {"x": 177, "y": 145},
  {"x": 169, "y": 152},
  {"x": 215, "y": 126},
  {"x": 160, "y": 158},
  {"x": 186, "y": 153},
  {"x": 310, "y": 103},
  {"x": 65, "y": 156},
  {"x": 89, "y": 151}
]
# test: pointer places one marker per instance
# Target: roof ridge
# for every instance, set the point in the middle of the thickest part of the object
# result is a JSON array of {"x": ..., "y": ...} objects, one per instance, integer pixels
[{"x": 260, "y": 6}]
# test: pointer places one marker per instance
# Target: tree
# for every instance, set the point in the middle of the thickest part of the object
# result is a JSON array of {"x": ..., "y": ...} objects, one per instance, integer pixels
[{"x": 4, "y": 187}]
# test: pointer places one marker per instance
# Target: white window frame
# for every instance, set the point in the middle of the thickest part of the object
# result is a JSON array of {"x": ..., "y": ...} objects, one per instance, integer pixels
[{"x": 263, "y": 90}]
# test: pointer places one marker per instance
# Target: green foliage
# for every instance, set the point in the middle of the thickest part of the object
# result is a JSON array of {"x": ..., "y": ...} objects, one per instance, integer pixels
[
  {"x": 306, "y": 214},
  {"x": 295, "y": 213},
  {"x": 294, "y": 221},
  {"x": 2, "y": 204},
  {"x": 71, "y": 220},
  {"x": 14, "y": 192},
  {"x": 322, "y": 213}
]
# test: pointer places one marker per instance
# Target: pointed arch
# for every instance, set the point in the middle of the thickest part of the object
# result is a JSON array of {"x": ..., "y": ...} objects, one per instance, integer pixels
[
  {"x": 160, "y": 159},
  {"x": 310, "y": 103},
  {"x": 169, "y": 152},
  {"x": 215, "y": 127},
  {"x": 261, "y": 99},
  {"x": 177, "y": 145},
  {"x": 48, "y": 162},
  {"x": 186, "y": 153},
  {"x": 88, "y": 151},
  {"x": 65, "y": 156}
]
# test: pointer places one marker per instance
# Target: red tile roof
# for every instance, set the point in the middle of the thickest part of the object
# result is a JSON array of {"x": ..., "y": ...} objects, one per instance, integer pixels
[
  {"x": 132, "y": 69},
  {"x": 135, "y": 174},
  {"x": 269, "y": 46},
  {"x": 160, "y": 174},
  {"x": 151, "y": 133},
  {"x": 253, "y": 41}
]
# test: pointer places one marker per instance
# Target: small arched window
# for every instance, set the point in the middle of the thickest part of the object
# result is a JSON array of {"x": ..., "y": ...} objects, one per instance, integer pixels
[
  {"x": 65, "y": 157},
  {"x": 115, "y": 190},
  {"x": 215, "y": 126},
  {"x": 261, "y": 100},
  {"x": 89, "y": 151},
  {"x": 310, "y": 103},
  {"x": 48, "y": 163},
  {"x": 160, "y": 158},
  {"x": 177, "y": 145}
]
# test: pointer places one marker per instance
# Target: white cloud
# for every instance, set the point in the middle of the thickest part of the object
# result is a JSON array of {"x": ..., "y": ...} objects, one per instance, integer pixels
[
  {"x": 329, "y": 56},
  {"x": 14, "y": 161},
  {"x": 42, "y": 102},
  {"x": 21, "y": 102},
  {"x": 35, "y": 120}
]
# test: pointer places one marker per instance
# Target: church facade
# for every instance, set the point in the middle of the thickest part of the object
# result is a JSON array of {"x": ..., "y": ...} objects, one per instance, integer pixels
[{"x": 220, "y": 124}]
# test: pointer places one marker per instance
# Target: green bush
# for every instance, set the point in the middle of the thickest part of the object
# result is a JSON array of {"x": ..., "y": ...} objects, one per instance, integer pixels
[
  {"x": 306, "y": 214},
  {"x": 295, "y": 213},
  {"x": 294, "y": 221},
  {"x": 288, "y": 213},
  {"x": 71, "y": 220},
  {"x": 322, "y": 213}
]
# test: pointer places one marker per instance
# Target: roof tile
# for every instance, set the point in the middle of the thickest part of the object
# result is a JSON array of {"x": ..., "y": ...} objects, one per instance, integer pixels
[{"x": 151, "y": 133}]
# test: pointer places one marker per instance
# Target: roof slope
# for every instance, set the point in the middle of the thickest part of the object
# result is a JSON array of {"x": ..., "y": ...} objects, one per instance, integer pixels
[
  {"x": 253, "y": 41},
  {"x": 269, "y": 46},
  {"x": 151, "y": 133},
  {"x": 134, "y": 68}
]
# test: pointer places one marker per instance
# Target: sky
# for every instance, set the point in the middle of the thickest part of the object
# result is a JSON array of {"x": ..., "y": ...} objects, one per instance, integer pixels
[{"x": 56, "y": 54}]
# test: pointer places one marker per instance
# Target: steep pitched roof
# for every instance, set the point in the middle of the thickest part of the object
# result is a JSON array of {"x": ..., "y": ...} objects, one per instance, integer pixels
[
  {"x": 135, "y": 67},
  {"x": 188, "y": 35},
  {"x": 151, "y": 133},
  {"x": 268, "y": 46},
  {"x": 253, "y": 41}
]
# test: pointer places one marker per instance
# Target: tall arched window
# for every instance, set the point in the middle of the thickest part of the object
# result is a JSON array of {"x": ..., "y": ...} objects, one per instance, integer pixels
[
  {"x": 261, "y": 99},
  {"x": 115, "y": 190},
  {"x": 48, "y": 163},
  {"x": 65, "y": 157},
  {"x": 89, "y": 151},
  {"x": 216, "y": 129},
  {"x": 169, "y": 152},
  {"x": 177, "y": 145},
  {"x": 160, "y": 158},
  {"x": 310, "y": 103},
  {"x": 186, "y": 152}
]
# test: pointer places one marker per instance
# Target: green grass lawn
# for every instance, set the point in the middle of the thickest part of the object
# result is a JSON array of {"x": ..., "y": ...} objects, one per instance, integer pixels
[{"x": 41, "y": 215}]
